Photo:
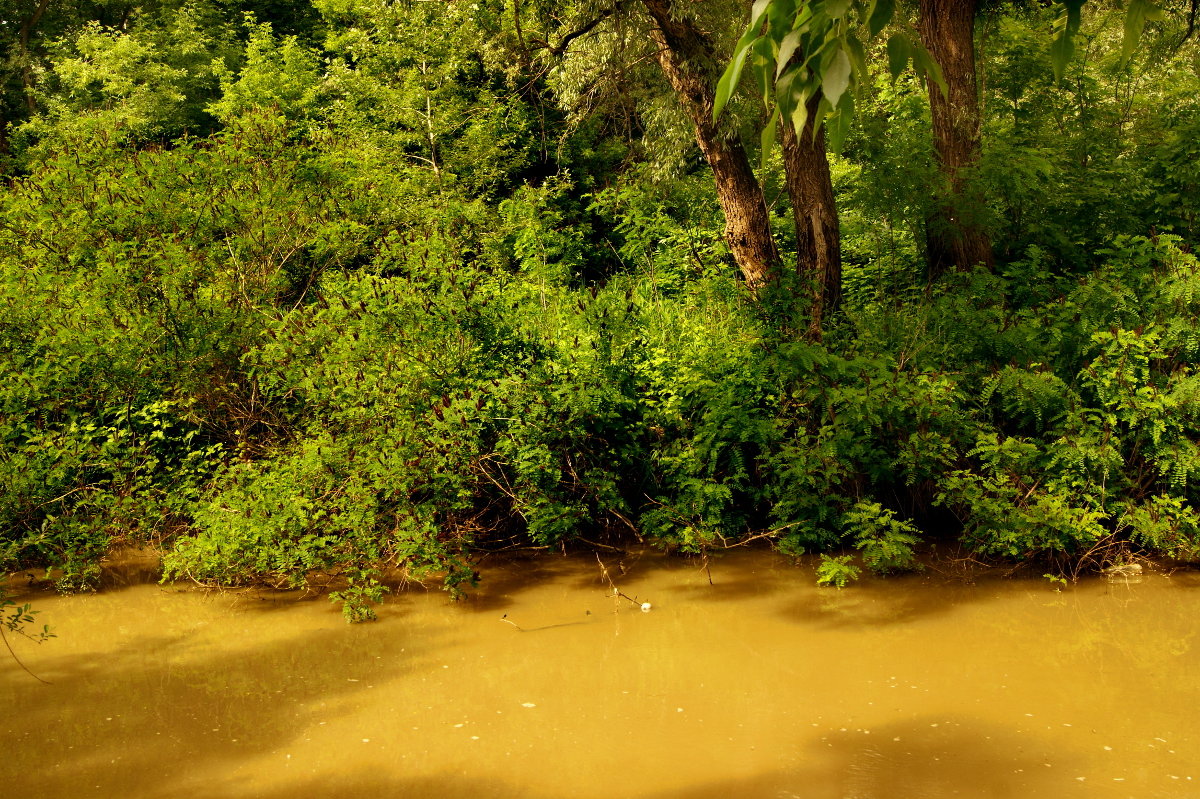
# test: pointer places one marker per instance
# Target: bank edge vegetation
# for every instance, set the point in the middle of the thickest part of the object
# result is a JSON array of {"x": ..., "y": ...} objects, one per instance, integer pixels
[{"x": 306, "y": 293}]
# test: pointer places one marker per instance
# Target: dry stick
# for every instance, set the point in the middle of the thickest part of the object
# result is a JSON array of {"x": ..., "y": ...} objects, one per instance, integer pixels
[
  {"x": 507, "y": 620},
  {"x": 4, "y": 635}
]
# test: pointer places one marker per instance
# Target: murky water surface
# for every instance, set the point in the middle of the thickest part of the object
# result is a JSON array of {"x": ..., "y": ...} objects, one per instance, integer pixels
[{"x": 758, "y": 685}]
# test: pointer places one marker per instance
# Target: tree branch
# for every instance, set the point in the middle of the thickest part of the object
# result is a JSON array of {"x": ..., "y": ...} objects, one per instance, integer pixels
[{"x": 583, "y": 30}]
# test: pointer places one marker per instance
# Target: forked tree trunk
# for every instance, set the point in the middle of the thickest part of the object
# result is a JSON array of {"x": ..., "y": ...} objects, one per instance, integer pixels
[
  {"x": 686, "y": 57},
  {"x": 818, "y": 239},
  {"x": 955, "y": 239}
]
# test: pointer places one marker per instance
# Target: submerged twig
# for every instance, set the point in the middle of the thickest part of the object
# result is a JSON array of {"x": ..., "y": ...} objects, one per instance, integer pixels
[
  {"x": 617, "y": 592},
  {"x": 4, "y": 636}
]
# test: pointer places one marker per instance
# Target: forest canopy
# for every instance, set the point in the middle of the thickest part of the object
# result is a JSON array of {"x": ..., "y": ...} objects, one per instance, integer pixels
[{"x": 307, "y": 293}]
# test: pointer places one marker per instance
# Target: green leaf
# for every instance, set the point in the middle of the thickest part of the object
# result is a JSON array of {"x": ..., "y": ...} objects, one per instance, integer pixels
[
  {"x": 899, "y": 49},
  {"x": 800, "y": 109},
  {"x": 762, "y": 59},
  {"x": 1063, "y": 46},
  {"x": 768, "y": 139},
  {"x": 837, "y": 126},
  {"x": 1136, "y": 16},
  {"x": 928, "y": 68},
  {"x": 786, "y": 91},
  {"x": 837, "y": 9},
  {"x": 858, "y": 54},
  {"x": 729, "y": 81},
  {"x": 733, "y": 73},
  {"x": 835, "y": 78},
  {"x": 787, "y": 48},
  {"x": 881, "y": 15},
  {"x": 780, "y": 13}
]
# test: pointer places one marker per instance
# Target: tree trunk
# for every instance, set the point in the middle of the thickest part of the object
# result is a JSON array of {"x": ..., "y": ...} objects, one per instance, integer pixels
[
  {"x": 818, "y": 239},
  {"x": 26, "y": 58},
  {"x": 955, "y": 239},
  {"x": 686, "y": 57}
]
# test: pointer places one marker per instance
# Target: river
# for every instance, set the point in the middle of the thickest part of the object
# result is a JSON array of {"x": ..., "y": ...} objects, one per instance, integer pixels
[{"x": 541, "y": 684}]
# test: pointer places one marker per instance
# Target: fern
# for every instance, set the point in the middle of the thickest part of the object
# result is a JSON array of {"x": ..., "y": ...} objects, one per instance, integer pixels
[{"x": 887, "y": 543}]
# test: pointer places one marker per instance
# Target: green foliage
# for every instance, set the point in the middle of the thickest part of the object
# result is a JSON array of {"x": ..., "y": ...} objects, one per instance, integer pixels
[
  {"x": 147, "y": 82},
  {"x": 887, "y": 543},
  {"x": 342, "y": 303},
  {"x": 709, "y": 401},
  {"x": 812, "y": 51},
  {"x": 1163, "y": 523},
  {"x": 837, "y": 570},
  {"x": 18, "y": 618},
  {"x": 280, "y": 75}
]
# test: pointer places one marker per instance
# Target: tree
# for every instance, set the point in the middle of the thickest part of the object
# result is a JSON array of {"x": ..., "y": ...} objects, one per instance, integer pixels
[
  {"x": 685, "y": 56},
  {"x": 954, "y": 235},
  {"x": 814, "y": 212},
  {"x": 686, "y": 52},
  {"x": 834, "y": 61}
]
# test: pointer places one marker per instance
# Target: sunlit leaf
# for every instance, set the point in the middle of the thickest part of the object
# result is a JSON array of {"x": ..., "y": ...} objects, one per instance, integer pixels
[
  {"x": 733, "y": 73},
  {"x": 767, "y": 139},
  {"x": 787, "y": 48},
  {"x": 800, "y": 109},
  {"x": 729, "y": 81},
  {"x": 835, "y": 78}
]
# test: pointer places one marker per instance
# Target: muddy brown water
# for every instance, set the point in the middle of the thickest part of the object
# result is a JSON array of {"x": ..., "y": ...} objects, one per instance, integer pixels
[{"x": 758, "y": 685}]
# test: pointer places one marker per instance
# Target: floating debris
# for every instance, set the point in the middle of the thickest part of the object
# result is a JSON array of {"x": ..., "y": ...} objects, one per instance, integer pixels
[{"x": 1123, "y": 570}]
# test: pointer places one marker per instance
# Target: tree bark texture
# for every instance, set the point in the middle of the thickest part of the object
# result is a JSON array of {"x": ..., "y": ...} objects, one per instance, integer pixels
[
  {"x": 955, "y": 239},
  {"x": 686, "y": 57},
  {"x": 818, "y": 238}
]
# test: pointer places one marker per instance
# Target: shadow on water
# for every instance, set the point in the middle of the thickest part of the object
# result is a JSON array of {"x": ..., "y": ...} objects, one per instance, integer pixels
[
  {"x": 508, "y": 576},
  {"x": 896, "y": 600},
  {"x": 442, "y": 786},
  {"x": 922, "y": 758},
  {"x": 165, "y": 707}
]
